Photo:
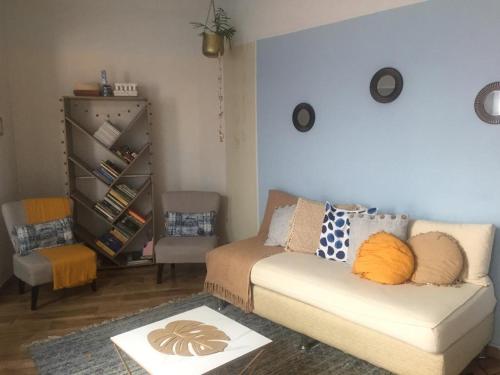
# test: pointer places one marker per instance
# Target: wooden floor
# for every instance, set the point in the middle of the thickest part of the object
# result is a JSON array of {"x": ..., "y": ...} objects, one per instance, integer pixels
[{"x": 120, "y": 292}]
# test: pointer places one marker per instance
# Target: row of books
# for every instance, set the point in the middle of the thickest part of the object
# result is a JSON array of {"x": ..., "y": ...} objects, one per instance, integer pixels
[
  {"x": 115, "y": 201},
  {"x": 130, "y": 223},
  {"x": 107, "y": 134},
  {"x": 107, "y": 171},
  {"x": 126, "y": 154},
  {"x": 112, "y": 241},
  {"x": 136, "y": 258}
]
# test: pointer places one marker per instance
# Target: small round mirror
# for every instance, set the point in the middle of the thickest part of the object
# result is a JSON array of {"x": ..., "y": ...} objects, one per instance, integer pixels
[
  {"x": 303, "y": 117},
  {"x": 487, "y": 103},
  {"x": 386, "y": 85}
]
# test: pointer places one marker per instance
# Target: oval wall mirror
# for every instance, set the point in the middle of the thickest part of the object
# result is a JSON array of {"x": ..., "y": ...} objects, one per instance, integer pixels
[
  {"x": 386, "y": 85},
  {"x": 303, "y": 117},
  {"x": 487, "y": 103}
]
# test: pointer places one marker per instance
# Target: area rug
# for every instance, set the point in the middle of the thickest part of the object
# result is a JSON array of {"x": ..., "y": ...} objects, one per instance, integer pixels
[{"x": 90, "y": 351}]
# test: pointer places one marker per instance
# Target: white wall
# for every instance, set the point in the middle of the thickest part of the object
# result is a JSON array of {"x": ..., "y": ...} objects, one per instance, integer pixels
[
  {"x": 7, "y": 156},
  {"x": 55, "y": 43},
  {"x": 258, "y": 19}
]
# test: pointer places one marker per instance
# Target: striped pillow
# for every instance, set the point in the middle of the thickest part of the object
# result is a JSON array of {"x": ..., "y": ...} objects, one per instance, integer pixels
[
  {"x": 42, "y": 235},
  {"x": 181, "y": 224}
]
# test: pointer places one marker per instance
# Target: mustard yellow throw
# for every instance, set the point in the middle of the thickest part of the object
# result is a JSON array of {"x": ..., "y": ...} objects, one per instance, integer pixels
[
  {"x": 46, "y": 209},
  {"x": 72, "y": 265}
]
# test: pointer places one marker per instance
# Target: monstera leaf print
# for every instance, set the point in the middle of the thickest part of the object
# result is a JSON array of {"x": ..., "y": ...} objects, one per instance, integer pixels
[{"x": 188, "y": 338}]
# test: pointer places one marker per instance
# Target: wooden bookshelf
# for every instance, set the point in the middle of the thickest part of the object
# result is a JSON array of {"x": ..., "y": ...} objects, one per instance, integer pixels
[{"x": 84, "y": 155}]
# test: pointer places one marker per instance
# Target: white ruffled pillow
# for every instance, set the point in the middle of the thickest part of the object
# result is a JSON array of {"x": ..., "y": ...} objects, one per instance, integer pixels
[{"x": 280, "y": 226}]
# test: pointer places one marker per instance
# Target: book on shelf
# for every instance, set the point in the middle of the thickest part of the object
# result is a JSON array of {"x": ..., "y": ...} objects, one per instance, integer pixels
[
  {"x": 111, "y": 241},
  {"x": 111, "y": 168},
  {"x": 116, "y": 206},
  {"x": 108, "y": 179},
  {"x": 108, "y": 171},
  {"x": 136, "y": 258},
  {"x": 105, "y": 248},
  {"x": 127, "y": 190},
  {"x": 126, "y": 154},
  {"x": 136, "y": 216},
  {"x": 119, "y": 235},
  {"x": 107, "y": 134},
  {"x": 128, "y": 226},
  {"x": 139, "y": 262},
  {"x": 101, "y": 210},
  {"x": 115, "y": 201},
  {"x": 120, "y": 197}
]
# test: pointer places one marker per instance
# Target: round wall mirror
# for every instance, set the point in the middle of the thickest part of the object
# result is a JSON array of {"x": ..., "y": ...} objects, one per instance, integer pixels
[
  {"x": 487, "y": 103},
  {"x": 386, "y": 85},
  {"x": 303, "y": 117}
]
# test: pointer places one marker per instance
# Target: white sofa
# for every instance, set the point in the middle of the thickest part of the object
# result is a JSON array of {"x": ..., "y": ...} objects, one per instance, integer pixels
[{"x": 406, "y": 329}]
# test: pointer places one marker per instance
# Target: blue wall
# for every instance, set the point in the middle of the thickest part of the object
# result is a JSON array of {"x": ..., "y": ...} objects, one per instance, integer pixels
[{"x": 427, "y": 153}]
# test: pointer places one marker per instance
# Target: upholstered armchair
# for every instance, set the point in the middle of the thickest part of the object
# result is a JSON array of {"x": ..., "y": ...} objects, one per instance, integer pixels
[
  {"x": 173, "y": 249},
  {"x": 33, "y": 269}
]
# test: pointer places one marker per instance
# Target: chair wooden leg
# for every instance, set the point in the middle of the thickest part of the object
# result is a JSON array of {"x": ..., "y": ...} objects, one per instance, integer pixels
[
  {"x": 172, "y": 269},
  {"x": 22, "y": 286},
  {"x": 94, "y": 285},
  {"x": 34, "y": 296},
  {"x": 159, "y": 274}
]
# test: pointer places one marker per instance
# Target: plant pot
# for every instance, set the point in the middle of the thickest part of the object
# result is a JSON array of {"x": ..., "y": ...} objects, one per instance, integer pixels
[{"x": 213, "y": 44}]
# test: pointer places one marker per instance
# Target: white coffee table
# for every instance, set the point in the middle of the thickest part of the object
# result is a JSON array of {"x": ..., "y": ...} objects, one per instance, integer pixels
[{"x": 242, "y": 341}]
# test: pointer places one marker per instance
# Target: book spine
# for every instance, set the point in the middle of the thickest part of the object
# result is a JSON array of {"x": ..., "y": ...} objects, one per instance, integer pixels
[
  {"x": 109, "y": 170},
  {"x": 107, "y": 179},
  {"x": 109, "y": 201},
  {"x": 105, "y": 248},
  {"x": 101, "y": 211},
  {"x": 119, "y": 197},
  {"x": 136, "y": 216},
  {"x": 122, "y": 227},
  {"x": 123, "y": 238},
  {"x": 109, "y": 208},
  {"x": 116, "y": 201}
]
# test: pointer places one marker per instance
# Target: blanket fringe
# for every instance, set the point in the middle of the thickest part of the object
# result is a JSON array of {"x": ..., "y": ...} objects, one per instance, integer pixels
[{"x": 222, "y": 293}]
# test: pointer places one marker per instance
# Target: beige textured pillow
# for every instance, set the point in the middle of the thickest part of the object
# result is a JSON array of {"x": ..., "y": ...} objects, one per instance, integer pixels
[
  {"x": 438, "y": 258},
  {"x": 306, "y": 226},
  {"x": 476, "y": 241}
]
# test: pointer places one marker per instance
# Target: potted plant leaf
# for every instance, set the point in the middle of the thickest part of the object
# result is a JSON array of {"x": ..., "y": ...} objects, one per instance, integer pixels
[{"x": 215, "y": 32}]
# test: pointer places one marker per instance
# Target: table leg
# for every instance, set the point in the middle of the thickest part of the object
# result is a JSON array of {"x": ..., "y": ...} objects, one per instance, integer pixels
[
  {"x": 121, "y": 357},
  {"x": 249, "y": 364}
]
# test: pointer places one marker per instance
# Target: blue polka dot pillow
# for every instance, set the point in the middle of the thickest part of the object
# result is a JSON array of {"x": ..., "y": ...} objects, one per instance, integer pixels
[{"x": 334, "y": 239}]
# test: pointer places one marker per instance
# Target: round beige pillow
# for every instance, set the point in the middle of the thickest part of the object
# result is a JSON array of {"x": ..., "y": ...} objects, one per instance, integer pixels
[{"x": 438, "y": 258}]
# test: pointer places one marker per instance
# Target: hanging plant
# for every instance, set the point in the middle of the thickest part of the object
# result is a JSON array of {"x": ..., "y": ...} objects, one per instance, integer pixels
[{"x": 216, "y": 31}]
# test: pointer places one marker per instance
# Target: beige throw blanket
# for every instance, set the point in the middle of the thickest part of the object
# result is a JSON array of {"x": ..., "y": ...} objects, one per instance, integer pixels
[{"x": 229, "y": 267}]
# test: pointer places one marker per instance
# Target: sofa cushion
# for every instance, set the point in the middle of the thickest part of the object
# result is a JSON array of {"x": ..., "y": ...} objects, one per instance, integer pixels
[
  {"x": 184, "y": 249},
  {"x": 335, "y": 231},
  {"x": 476, "y": 241},
  {"x": 190, "y": 224},
  {"x": 306, "y": 226},
  {"x": 34, "y": 269},
  {"x": 364, "y": 225},
  {"x": 281, "y": 223},
  {"x": 275, "y": 199},
  {"x": 42, "y": 235},
  {"x": 407, "y": 312},
  {"x": 438, "y": 258},
  {"x": 385, "y": 259}
]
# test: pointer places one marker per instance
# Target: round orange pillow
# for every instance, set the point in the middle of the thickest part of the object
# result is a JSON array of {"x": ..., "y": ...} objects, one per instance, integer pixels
[{"x": 385, "y": 259}]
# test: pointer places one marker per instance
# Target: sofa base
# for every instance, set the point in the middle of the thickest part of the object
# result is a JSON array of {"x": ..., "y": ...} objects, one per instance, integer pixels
[{"x": 369, "y": 345}]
